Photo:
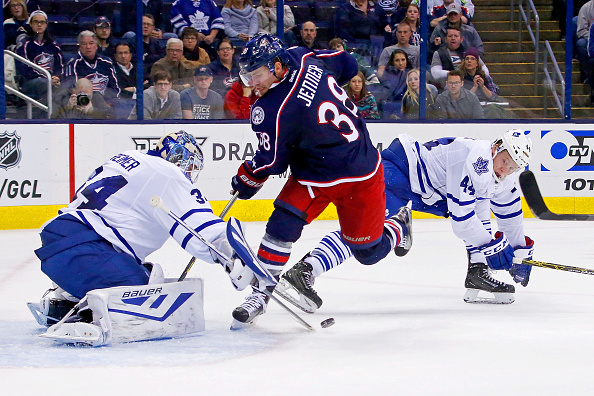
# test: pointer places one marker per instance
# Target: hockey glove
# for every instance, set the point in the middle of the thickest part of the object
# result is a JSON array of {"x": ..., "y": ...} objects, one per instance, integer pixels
[
  {"x": 245, "y": 182},
  {"x": 521, "y": 272},
  {"x": 498, "y": 252}
]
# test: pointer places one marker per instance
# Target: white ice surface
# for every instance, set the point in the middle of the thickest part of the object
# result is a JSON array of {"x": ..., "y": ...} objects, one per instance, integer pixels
[{"x": 401, "y": 329}]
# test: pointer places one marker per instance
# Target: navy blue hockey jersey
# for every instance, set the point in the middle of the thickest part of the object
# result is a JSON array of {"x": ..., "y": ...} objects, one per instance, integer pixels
[
  {"x": 307, "y": 122},
  {"x": 47, "y": 55},
  {"x": 100, "y": 72}
]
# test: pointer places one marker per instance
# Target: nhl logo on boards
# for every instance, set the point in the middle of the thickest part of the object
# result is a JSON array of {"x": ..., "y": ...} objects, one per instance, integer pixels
[
  {"x": 10, "y": 150},
  {"x": 481, "y": 166},
  {"x": 257, "y": 115}
]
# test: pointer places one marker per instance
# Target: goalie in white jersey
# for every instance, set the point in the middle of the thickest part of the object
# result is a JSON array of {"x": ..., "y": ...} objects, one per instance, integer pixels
[
  {"x": 462, "y": 178},
  {"x": 102, "y": 238}
]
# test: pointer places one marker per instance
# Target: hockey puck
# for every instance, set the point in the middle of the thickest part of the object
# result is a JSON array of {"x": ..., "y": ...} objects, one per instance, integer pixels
[{"x": 327, "y": 323}]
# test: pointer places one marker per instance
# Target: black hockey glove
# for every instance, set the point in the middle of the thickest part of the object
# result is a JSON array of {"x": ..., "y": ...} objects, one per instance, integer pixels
[{"x": 245, "y": 182}]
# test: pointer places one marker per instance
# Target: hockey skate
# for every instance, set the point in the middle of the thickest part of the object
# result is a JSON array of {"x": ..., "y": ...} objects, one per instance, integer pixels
[
  {"x": 53, "y": 306},
  {"x": 296, "y": 286},
  {"x": 246, "y": 314},
  {"x": 402, "y": 221},
  {"x": 479, "y": 279}
]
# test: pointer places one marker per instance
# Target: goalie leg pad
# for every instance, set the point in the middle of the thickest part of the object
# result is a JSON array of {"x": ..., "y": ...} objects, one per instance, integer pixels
[{"x": 139, "y": 313}]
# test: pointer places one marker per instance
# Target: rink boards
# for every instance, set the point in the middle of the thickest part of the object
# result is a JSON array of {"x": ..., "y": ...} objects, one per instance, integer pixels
[{"x": 41, "y": 165}]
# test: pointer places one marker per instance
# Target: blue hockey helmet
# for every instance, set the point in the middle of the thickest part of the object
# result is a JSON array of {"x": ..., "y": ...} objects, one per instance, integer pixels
[
  {"x": 181, "y": 149},
  {"x": 262, "y": 50}
]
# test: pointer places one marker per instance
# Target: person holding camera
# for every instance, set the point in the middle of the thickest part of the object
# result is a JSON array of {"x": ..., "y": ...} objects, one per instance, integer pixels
[{"x": 83, "y": 104}]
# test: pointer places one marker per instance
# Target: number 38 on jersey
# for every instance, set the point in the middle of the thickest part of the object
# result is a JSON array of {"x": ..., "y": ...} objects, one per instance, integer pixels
[{"x": 328, "y": 112}]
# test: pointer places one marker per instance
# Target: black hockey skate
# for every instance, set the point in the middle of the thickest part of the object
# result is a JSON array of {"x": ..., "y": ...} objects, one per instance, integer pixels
[
  {"x": 296, "y": 286},
  {"x": 478, "y": 279},
  {"x": 402, "y": 220},
  {"x": 247, "y": 313}
]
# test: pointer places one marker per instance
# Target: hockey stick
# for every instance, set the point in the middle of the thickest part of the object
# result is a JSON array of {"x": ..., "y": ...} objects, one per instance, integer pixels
[
  {"x": 222, "y": 216},
  {"x": 156, "y": 202},
  {"x": 537, "y": 204},
  {"x": 560, "y": 267}
]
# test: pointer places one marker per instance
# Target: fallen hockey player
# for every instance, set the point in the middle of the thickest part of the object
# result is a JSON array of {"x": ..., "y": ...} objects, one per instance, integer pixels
[
  {"x": 462, "y": 178},
  {"x": 95, "y": 249}
]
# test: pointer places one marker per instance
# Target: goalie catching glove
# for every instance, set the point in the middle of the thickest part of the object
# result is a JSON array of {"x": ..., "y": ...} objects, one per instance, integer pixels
[
  {"x": 498, "y": 252},
  {"x": 245, "y": 182},
  {"x": 521, "y": 272}
]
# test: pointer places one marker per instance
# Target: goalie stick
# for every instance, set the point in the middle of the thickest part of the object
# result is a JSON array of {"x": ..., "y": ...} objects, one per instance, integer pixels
[
  {"x": 250, "y": 260},
  {"x": 537, "y": 204},
  {"x": 222, "y": 216},
  {"x": 560, "y": 267}
]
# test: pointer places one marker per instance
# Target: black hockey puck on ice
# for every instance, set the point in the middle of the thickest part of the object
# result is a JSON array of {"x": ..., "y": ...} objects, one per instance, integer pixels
[{"x": 327, "y": 323}]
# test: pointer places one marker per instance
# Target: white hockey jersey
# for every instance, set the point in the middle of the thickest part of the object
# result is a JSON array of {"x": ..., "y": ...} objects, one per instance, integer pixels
[
  {"x": 114, "y": 201},
  {"x": 461, "y": 171}
]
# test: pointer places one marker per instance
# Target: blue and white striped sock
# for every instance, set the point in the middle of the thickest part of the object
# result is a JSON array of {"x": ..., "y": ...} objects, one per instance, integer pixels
[{"x": 330, "y": 253}]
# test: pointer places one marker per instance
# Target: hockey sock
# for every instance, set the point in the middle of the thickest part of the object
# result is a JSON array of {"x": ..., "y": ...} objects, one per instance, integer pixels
[
  {"x": 330, "y": 253},
  {"x": 274, "y": 254}
]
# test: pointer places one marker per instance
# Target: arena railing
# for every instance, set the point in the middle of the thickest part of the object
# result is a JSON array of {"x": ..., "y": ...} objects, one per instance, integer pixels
[
  {"x": 551, "y": 77},
  {"x": 525, "y": 18}
]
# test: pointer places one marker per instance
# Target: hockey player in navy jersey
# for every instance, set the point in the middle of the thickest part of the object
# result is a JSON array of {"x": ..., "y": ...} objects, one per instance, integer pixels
[
  {"x": 102, "y": 238},
  {"x": 462, "y": 178},
  {"x": 305, "y": 122}
]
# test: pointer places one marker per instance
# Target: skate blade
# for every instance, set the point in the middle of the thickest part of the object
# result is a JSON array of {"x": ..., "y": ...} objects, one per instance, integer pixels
[
  {"x": 237, "y": 325},
  {"x": 39, "y": 316},
  {"x": 290, "y": 294},
  {"x": 472, "y": 297}
]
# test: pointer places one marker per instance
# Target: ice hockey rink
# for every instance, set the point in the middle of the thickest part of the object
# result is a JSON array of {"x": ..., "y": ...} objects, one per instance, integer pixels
[{"x": 401, "y": 328}]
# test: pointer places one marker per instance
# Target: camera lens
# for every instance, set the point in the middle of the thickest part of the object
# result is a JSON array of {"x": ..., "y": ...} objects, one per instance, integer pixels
[{"x": 82, "y": 99}]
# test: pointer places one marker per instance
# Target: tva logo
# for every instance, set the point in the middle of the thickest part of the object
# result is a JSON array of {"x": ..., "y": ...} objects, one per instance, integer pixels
[{"x": 567, "y": 150}]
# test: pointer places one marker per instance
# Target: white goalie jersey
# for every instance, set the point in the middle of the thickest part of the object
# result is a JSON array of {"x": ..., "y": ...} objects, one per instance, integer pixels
[
  {"x": 460, "y": 170},
  {"x": 114, "y": 201}
]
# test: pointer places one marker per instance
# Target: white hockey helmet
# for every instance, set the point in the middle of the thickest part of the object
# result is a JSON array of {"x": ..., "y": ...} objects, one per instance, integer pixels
[
  {"x": 517, "y": 144},
  {"x": 181, "y": 149}
]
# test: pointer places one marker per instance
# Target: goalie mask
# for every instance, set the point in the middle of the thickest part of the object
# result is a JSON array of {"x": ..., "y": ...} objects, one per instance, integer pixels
[
  {"x": 518, "y": 146},
  {"x": 180, "y": 148}
]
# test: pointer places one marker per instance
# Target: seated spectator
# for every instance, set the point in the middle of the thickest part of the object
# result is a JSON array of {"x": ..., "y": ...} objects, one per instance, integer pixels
[
  {"x": 225, "y": 69},
  {"x": 128, "y": 19},
  {"x": 152, "y": 49},
  {"x": 436, "y": 10},
  {"x": 394, "y": 77},
  {"x": 453, "y": 20},
  {"x": 199, "y": 102},
  {"x": 585, "y": 20},
  {"x": 160, "y": 102},
  {"x": 102, "y": 30},
  {"x": 357, "y": 21},
  {"x": 98, "y": 70},
  {"x": 413, "y": 19},
  {"x": 176, "y": 65},
  {"x": 475, "y": 79},
  {"x": 203, "y": 16},
  {"x": 403, "y": 34},
  {"x": 32, "y": 5},
  {"x": 17, "y": 24},
  {"x": 40, "y": 49},
  {"x": 126, "y": 70},
  {"x": 309, "y": 32},
  {"x": 241, "y": 21},
  {"x": 457, "y": 102},
  {"x": 195, "y": 55},
  {"x": 410, "y": 100},
  {"x": 388, "y": 20},
  {"x": 84, "y": 103},
  {"x": 267, "y": 20},
  {"x": 449, "y": 57},
  {"x": 363, "y": 99},
  {"x": 239, "y": 101},
  {"x": 338, "y": 44}
]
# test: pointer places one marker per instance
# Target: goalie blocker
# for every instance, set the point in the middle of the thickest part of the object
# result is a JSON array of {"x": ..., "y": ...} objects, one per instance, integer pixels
[{"x": 135, "y": 313}]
